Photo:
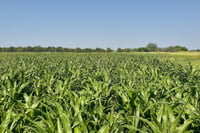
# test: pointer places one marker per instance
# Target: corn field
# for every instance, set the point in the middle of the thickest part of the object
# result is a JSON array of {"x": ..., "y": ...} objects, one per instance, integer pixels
[{"x": 97, "y": 93}]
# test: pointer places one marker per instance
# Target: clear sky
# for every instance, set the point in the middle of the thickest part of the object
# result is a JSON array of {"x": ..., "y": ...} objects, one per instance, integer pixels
[{"x": 100, "y": 23}]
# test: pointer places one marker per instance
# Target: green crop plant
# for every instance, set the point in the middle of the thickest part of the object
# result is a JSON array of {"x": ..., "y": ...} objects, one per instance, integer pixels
[{"x": 97, "y": 93}]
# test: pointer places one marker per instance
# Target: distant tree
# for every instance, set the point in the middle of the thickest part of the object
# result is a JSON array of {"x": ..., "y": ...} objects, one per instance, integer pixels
[
  {"x": 37, "y": 49},
  {"x": 78, "y": 49},
  {"x": 152, "y": 47},
  {"x": 142, "y": 49},
  {"x": 66, "y": 49},
  {"x": 180, "y": 48},
  {"x": 12, "y": 49},
  {"x": 51, "y": 49},
  {"x": 127, "y": 50},
  {"x": 176, "y": 48},
  {"x": 87, "y": 50},
  {"x": 59, "y": 49},
  {"x": 119, "y": 50},
  {"x": 99, "y": 50},
  {"x": 28, "y": 49},
  {"x": 20, "y": 49},
  {"x": 109, "y": 50}
]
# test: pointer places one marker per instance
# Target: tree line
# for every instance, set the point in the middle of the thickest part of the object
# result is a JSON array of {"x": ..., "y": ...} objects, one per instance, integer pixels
[{"x": 151, "y": 47}]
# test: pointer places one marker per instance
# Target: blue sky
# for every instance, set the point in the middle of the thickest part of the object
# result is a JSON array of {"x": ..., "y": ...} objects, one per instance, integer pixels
[{"x": 100, "y": 23}]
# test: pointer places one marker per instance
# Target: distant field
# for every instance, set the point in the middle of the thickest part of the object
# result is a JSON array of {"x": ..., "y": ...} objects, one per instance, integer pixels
[
  {"x": 183, "y": 58},
  {"x": 99, "y": 93}
]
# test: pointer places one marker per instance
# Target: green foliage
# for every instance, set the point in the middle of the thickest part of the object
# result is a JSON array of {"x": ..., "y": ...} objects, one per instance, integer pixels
[
  {"x": 109, "y": 50},
  {"x": 143, "y": 49},
  {"x": 119, "y": 50},
  {"x": 152, "y": 47},
  {"x": 91, "y": 93},
  {"x": 176, "y": 48}
]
